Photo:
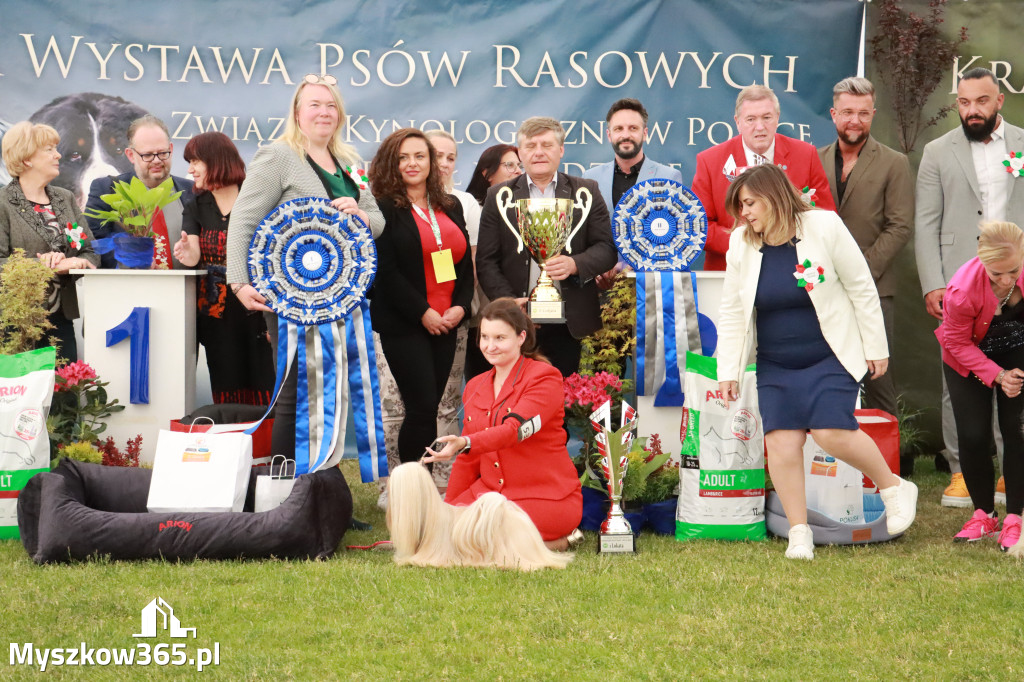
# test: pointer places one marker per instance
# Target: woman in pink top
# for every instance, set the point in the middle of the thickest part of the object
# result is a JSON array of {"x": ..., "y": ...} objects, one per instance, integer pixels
[
  {"x": 982, "y": 339},
  {"x": 424, "y": 282}
]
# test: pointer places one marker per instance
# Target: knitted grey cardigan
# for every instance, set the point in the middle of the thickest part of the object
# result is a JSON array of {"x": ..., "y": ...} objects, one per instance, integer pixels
[{"x": 276, "y": 175}]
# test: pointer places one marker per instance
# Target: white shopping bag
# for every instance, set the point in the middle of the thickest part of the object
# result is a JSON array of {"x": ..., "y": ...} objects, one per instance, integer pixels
[
  {"x": 833, "y": 487},
  {"x": 274, "y": 489},
  {"x": 200, "y": 472}
]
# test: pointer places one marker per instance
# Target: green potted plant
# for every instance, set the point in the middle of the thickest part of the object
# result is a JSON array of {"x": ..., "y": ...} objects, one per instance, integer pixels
[{"x": 133, "y": 206}]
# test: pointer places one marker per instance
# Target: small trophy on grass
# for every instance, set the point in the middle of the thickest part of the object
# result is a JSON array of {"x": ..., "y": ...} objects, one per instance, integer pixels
[{"x": 616, "y": 534}]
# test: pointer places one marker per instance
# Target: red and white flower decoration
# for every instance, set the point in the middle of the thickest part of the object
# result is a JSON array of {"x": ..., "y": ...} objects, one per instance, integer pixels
[
  {"x": 1014, "y": 164},
  {"x": 808, "y": 274},
  {"x": 75, "y": 235},
  {"x": 360, "y": 177},
  {"x": 807, "y": 195}
]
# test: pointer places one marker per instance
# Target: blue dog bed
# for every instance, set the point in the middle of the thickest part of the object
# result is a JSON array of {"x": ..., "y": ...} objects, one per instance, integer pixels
[
  {"x": 828, "y": 531},
  {"x": 80, "y": 511}
]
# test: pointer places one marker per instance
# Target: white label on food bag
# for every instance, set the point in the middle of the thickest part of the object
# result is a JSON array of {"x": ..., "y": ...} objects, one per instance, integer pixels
[{"x": 28, "y": 424}]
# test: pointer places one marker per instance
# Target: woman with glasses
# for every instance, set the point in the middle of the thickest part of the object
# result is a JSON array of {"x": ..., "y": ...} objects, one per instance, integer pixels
[
  {"x": 497, "y": 164},
  {"x": 237, "y": 349},
  {"x": 309, "y": 159},
  {"x": 149, "y": 150},
  {"x": 38, "y": 218},
  {"x": 424, "y": 281}
]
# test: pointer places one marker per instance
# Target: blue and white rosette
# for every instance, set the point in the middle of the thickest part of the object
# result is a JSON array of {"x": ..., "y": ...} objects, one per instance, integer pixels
[
  {"x": 314, "y": 265},
  {"x": 660, "y": 228}
]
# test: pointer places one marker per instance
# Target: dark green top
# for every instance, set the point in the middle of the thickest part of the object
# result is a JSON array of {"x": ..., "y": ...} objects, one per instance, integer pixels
[{"x": 338, "y": 183}]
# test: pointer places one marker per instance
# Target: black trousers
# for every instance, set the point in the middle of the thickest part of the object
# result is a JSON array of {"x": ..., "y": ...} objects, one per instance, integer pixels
[
  {"x": 63, "y": 334},
  {"x": 972, "y": 408},
  {"x": 420, "y": 363},
  {"x": 560, "y": 347},
  {"x": 282, "y": 437}
]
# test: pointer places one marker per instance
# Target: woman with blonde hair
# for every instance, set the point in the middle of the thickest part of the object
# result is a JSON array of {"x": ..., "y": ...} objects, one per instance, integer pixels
[
  {"x": 41, "y": 220},
  {"x": 982, "y": 339},
  {"x": 796, "y": 276},
  {"x": 310, "y": 159}
]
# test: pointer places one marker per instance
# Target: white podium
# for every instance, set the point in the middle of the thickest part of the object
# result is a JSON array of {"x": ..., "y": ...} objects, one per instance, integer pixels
[
  {"x": 109, "y": 298},
  {"x": 665, "y": 422}
]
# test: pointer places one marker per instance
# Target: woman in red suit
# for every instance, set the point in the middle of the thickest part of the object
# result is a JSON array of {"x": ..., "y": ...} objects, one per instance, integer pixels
[{"x": 501, "y": 449}]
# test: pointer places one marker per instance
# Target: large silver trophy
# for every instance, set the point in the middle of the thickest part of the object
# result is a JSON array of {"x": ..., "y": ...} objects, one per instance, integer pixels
[
  {"x": 616, "y": 534},
  {"x": 544, "y": 227}
]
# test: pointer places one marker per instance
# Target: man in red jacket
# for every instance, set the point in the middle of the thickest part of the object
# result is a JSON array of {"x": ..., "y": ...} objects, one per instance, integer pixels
[{"x": 757, "y": 117}]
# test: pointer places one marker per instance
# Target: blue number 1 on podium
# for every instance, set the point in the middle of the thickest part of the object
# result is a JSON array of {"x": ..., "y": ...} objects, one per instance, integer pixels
[{"x": 135, "y": 327}]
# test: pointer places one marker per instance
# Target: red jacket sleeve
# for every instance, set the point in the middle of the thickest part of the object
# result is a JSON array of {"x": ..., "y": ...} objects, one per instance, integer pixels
[{"x": 719, "y": 224}]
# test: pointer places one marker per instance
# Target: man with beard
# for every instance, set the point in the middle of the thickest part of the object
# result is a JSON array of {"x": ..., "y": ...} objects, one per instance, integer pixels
[
  {"x": 873, "y": 189},
  {"x": 627, "y": 130},
  {"x": 962, "y": 181},
  {"x": 150, "y": 151}
]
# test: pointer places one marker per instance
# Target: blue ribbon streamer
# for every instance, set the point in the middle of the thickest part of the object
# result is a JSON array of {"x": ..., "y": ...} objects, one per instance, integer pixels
[
  {"x": 641, "y": 332},
  {"x": 302, "y": 411},
  {"x": 328, "y": 395},
  {"x": 364, "y": 391},
  {"x": 670, "y": 393}
]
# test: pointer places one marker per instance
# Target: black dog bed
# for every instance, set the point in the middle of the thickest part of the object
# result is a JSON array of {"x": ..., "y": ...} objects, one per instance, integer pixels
[{"x": 82, "y": 510}]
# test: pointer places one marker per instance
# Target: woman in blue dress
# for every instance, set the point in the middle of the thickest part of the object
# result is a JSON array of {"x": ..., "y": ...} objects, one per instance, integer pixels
[{"x": 796, "y": 277}]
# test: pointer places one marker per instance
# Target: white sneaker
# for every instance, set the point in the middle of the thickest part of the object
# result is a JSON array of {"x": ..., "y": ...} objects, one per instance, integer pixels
[
  {"x": 801, "y": 542},
  {"x": 900, "y": 503},
  {"x": 382, "y": 500}
]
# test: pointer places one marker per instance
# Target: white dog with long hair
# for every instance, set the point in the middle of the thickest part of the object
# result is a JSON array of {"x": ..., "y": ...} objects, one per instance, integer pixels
[{"x": 491, "y": 533}]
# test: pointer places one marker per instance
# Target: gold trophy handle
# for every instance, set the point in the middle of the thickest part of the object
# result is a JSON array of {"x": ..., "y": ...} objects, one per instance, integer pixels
[
  {"x": 504, "y": 199},
  {"x": 584, "y": 200}
]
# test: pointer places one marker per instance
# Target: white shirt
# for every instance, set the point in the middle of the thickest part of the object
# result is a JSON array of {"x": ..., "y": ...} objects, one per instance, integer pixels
[
  {"x": 752, "y": 155},
  {"x": 547, "y": 193},
  {"x": 471, "y": 212},
  {"x": 993, "y": 180}
]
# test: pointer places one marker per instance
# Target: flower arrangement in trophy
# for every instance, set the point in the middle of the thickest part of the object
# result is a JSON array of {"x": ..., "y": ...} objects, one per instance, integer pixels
[
  {"x": 134, "y": 206},
  {"x": 544, "y": 227}
]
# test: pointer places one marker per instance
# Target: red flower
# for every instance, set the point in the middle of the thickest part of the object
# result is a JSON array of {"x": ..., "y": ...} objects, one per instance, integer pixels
[{"x": 73, "y": 373}]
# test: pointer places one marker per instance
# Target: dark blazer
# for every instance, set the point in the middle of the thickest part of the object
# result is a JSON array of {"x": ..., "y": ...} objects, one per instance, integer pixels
[
  {"x": 21, "y": 229},
  {"x": 877, "y": 207},
  {"x": 400, "y": 289},
  {"x": 503, "y": 272},
  {"x": 105, "y": 185}
]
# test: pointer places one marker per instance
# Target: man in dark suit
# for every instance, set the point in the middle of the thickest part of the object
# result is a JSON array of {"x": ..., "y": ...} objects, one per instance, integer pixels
[
  {"x": 151, "y": 152},
  {"x": 757, "y": 118},
  {"x": 503, "y": 271},
  {"x": 872, "y": 186}
]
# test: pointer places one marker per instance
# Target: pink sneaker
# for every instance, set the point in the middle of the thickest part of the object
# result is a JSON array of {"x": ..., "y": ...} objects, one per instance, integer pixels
[
  {"x": 1010, "y": 534},
  {"x": 980, "y": 526}
]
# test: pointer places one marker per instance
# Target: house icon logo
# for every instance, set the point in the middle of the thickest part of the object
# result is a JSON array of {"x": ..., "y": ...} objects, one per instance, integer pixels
[{"x": 159, "y": 614}]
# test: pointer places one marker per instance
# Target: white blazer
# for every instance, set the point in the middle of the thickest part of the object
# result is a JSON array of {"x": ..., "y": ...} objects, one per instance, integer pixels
[{"x": 846, "y": 302}]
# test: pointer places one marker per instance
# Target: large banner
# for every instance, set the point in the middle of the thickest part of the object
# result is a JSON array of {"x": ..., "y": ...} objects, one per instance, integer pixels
[{"x": 474, "y": 68}]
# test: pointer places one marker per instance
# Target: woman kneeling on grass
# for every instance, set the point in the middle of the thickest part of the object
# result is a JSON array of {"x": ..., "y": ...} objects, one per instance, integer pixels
[
  {"x": 982, "y": 339},
  {"x": 498, "y": 451},
  {"x": 797, "y": 276}
]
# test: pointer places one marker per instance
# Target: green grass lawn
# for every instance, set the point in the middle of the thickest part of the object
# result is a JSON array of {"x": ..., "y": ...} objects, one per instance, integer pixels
[{"x": 918, "y": 608}]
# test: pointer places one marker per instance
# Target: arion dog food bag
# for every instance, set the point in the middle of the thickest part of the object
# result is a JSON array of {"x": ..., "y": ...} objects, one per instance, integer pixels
[
  {"x": 721, "y": 480},
  {"x": 26, "y": 388}
]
